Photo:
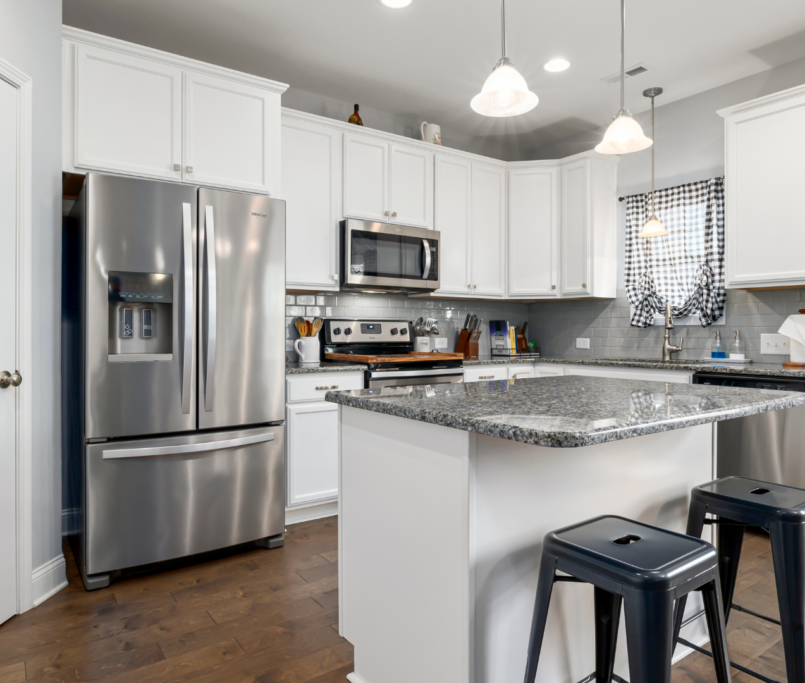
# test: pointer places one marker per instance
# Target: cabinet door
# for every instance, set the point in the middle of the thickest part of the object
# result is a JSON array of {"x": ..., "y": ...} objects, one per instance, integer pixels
[
  {"x": 575, "y": 266},
  {"x": 533, "y": 232},
  {"x": 311, "y": 185},
  {"x": 765, "y": 177},
  {"x": 128, "y": 114},
  {"x": 488, "y": 230},
  {"x": 366, "y": 185},
  {"x": 453, "y": 212},
  {"x": 312, "y": 447},
  {"x": 485, "y": 373},
  {"x": 411, "y": 186},
  {"x": 548, "y": 371},
  {"x": 232, "y": 134}
]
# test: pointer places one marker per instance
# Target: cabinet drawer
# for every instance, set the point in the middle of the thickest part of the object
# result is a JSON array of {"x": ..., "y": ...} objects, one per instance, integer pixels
[
  {"x": 520, "y": 371},
  {"x": 486, "y": 373},
  {"x": 314, "y": 387}
]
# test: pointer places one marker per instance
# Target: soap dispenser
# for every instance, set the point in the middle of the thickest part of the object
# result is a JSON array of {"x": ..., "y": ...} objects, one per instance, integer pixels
[
  {"x": 737, "y": 348},
  {"x": 717, "y": 349}
]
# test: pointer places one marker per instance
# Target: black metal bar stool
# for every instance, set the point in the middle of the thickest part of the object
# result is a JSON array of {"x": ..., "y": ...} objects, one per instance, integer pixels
[
  {"x": 736, "y": 504},
  {"x": 648, "y": 570}
]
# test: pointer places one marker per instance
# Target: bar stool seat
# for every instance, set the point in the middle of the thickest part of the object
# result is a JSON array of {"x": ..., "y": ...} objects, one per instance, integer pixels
[
  {"x": 647, "y": 569},
  {"x": 737, "y": 502}
]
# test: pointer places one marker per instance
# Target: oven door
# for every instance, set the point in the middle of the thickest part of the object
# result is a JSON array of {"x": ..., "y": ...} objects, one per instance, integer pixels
[
  {"x": 389, "y": 257},
  {"x": 404, "y": 378}
]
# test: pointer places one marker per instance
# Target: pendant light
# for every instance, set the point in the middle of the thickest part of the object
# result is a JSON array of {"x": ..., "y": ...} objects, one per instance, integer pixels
[
  {"x": 505, "y": 92},
  {"x": 653, "y": 226},
  {"x": 624, "y": 134}
]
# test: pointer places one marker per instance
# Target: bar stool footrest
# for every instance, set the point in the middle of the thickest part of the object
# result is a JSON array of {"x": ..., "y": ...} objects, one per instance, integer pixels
[
  {"x": 755, "y": 674},
  {"x": 591, "y": 677},
  {"x": 755, "y": 614}
]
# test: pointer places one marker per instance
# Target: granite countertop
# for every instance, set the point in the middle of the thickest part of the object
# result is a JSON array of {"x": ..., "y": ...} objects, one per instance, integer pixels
[
  {"x": 297, "y": 369},
  {"x": 568, "y": 411},
  {"x": 772, "y": 369}
]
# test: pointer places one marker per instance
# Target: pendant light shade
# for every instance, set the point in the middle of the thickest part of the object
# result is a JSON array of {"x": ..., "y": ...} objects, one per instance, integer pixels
[
  {"x": 505, "y": 92},
  {"x": 624, "y": 134},
  {"x": 653, "y": 226}
]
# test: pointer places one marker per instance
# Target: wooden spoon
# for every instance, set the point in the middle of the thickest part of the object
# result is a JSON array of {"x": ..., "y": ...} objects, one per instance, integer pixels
[
  {"x": 316, "y": 326},
  {"x": 301, "y": 326}
]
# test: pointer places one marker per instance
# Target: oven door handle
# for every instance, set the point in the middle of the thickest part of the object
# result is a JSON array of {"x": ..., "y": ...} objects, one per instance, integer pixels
[
  {"x": 428, "y": 263},
  {"x": 380, "y": 374}
]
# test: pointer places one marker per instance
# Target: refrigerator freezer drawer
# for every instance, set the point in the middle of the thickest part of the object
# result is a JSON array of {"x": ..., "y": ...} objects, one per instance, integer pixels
[{"x": 158, "y": 499}]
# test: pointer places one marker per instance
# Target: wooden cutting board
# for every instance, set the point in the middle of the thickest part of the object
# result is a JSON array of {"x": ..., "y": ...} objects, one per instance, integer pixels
[{"x": 411, "y": 357}]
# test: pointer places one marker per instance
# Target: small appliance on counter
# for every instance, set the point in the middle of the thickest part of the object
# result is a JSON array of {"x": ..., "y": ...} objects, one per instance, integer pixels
[{"x": 387, "y": 347}]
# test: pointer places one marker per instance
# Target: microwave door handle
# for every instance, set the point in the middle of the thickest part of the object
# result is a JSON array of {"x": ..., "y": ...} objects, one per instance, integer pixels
[
  {"x": 211, "y": 299},
  {"x": 426, "y": 271},
  {"x": 187, "y": 305}
]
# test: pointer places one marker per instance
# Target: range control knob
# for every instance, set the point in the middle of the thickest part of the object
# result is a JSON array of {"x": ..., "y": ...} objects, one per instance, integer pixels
[
  {"x": 404, "y": 331},
  {"x": 395, "y": 331},
  {"x": 348, "y": 330},
  {"x": 337, "y": 330}
]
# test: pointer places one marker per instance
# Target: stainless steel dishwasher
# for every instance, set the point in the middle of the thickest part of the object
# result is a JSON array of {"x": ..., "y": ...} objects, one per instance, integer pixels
[{"x": 768, "y": 447}]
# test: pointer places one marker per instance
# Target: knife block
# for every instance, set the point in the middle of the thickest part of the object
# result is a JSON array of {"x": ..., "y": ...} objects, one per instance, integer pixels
[
  {"x": 461, "y": 344},
  {"x": 472, "y": 344}
]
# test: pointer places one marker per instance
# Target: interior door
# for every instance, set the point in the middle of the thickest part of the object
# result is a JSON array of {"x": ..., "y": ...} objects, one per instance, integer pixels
[
  {"x": 453, "y": 214},
  {"x": 242, "y": 314},
  {"x": 8, "y": 350},
  {"x": 140, "y": 309}
]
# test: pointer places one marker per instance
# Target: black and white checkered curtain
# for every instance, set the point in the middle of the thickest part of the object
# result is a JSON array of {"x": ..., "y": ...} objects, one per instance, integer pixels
[{"x": 686, "y": 267}]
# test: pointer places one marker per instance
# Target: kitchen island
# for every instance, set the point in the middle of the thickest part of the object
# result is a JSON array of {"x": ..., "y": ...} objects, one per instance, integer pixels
[{"x": 447, "y": 492}]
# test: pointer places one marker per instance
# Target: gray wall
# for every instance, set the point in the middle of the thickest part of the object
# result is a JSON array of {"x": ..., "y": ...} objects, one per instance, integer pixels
[
  {"x": 450, "y": 313},
  {"x": 30, "y": 40},
  {"x": 399, "y": 125},
  {"x": 556, "y": 325}
]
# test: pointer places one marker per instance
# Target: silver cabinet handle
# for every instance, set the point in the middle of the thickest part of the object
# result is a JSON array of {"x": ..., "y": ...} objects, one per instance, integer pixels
[
  {"x": 335, "y": 277},
  {"x": 187, "y": 448},
  {"x": 189, "y": 169},
  {"x": 584, "y": 285},
  {"x": 332, "y": 388},
  {"x": 387, "y": 213},
  {"x": 487, "y": 377},
  {"x": 394, "y": 214},
  {"x": 187, "y": 305},
  {"x": 8, "y": 379},
  {"x": 426, "y": 247},
  {"x": 177, "y": 167},
  {"x": 210, "y": 303},
  {"x": 469, "y": 286},
  {"x": 553, "y": 286}
]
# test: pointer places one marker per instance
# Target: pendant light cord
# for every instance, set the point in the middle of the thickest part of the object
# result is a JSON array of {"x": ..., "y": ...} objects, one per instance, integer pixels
[
  {"x": 623, "y": 53},
  {"x": 503, "y": 26},
  {"x": 653, "y": 145}
]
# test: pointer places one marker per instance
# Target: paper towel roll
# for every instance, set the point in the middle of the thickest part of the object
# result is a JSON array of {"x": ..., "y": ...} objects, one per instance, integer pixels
[{"x": 794, "y": 329}]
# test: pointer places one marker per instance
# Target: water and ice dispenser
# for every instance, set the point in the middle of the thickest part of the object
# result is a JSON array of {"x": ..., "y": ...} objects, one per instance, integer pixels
[{"x": 140, "y": 316}]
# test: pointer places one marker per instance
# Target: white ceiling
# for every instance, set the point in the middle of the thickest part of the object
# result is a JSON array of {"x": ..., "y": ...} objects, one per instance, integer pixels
[{"x": 428, "y": 60}]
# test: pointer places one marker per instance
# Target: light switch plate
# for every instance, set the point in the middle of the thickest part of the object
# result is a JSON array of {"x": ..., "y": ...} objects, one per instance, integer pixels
[
  {"x": 582, "y": 343},
  {"x": 777, "y": 344},
  {"x": 441, "y": 342}
]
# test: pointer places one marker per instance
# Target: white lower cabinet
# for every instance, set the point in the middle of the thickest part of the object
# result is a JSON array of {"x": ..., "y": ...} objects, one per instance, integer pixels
[
  {"x": 311, "y": 438},
  {"x": 541, "y": 370},
  {"x": 485, "y": 373},
  {"x": 520, "y": 371},
  {"x": 648, "y": 375}
]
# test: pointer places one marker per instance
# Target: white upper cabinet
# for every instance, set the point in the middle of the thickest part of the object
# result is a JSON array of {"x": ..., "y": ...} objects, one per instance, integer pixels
[
  {"x": 411, "y": 186},
  {"x": 231, "y": 134},
  {"x": 488, "y": 230},
  {"x": 588, "y": 226},
  {"x": 453, "y": 220},
  {"x": 765, "y": 174},
  {"x": 128, "y": 114},
  {"x": 533, "y": 232},
  {"x": 132, "y": 110},
  {"x": 311, "y": 187},
  {"x": 387, "y": 182}
]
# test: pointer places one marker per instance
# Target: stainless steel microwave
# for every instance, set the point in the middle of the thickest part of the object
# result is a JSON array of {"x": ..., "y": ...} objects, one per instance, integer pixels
[{"x": 389, "y": 258}]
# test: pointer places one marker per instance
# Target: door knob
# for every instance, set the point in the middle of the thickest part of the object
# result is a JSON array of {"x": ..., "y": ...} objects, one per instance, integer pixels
[{"x": 8, "y": 380}]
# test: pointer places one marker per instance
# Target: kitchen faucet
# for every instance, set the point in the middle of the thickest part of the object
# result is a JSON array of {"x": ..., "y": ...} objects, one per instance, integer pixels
[{"x": 667, "y": 347}]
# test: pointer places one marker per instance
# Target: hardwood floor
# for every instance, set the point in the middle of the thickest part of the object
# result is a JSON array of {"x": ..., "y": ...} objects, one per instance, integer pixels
[{"x": 265, "y": 616}]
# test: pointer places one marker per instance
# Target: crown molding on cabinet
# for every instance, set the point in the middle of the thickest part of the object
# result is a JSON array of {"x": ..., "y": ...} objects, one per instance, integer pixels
[
  {"x": 95, "y": 39},
  {"x": 764, "y": 101}
]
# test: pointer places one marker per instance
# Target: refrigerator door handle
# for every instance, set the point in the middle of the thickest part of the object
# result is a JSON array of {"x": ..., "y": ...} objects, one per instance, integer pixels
[
  {"x": 211, "y": 298},
  {"x": 188, "y": 448},
  {"x": 187, "y": 313}
]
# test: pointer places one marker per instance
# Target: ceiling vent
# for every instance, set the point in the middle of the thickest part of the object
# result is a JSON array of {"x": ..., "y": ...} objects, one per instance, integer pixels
[{"x": 631, "y": 72}]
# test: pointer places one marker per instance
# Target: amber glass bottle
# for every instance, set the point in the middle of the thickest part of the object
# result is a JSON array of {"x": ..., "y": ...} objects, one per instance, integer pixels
[{"x": 356, "y": 117}]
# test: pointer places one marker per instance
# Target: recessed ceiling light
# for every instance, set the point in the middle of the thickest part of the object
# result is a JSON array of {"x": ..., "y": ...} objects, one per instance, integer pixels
[
  {"x": 396, "y": 4},
  {"x": 557, "y": 64}
]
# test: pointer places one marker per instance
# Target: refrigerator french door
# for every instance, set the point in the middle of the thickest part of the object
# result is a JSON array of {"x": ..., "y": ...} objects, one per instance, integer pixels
[{"x": 184, "y": 382}]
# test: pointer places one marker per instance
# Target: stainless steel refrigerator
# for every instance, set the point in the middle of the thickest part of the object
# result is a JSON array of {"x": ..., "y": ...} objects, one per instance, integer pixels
[{"x": 175, "y": 376}]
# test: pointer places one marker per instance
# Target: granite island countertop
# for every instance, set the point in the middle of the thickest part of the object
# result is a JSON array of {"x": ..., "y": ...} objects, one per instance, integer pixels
[
  {"x": 299, "y": 369},
  {"x": 569, "y": 411},
  {"x": 771, "y": 369}
]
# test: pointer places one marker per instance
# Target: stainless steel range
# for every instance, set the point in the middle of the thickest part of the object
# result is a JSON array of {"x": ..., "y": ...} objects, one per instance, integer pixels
[{"x": 387, "y": 347}]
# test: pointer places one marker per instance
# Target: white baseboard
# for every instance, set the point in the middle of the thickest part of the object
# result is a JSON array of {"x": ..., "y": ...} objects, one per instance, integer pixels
[
  {"x": 49, "y": 579},
  {"x": 297, "y": 515},
  {"x": 354, "y": 678},
  {"x": 70, "y": 521}
]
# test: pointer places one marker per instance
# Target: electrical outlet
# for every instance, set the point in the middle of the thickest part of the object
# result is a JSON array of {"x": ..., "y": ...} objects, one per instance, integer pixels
[
  {"x": 441, "y": 342},
  {"x": 777, "y": 344},
  {"x": 289, "y": 344},
  {"x": 582, "y": 343}
]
